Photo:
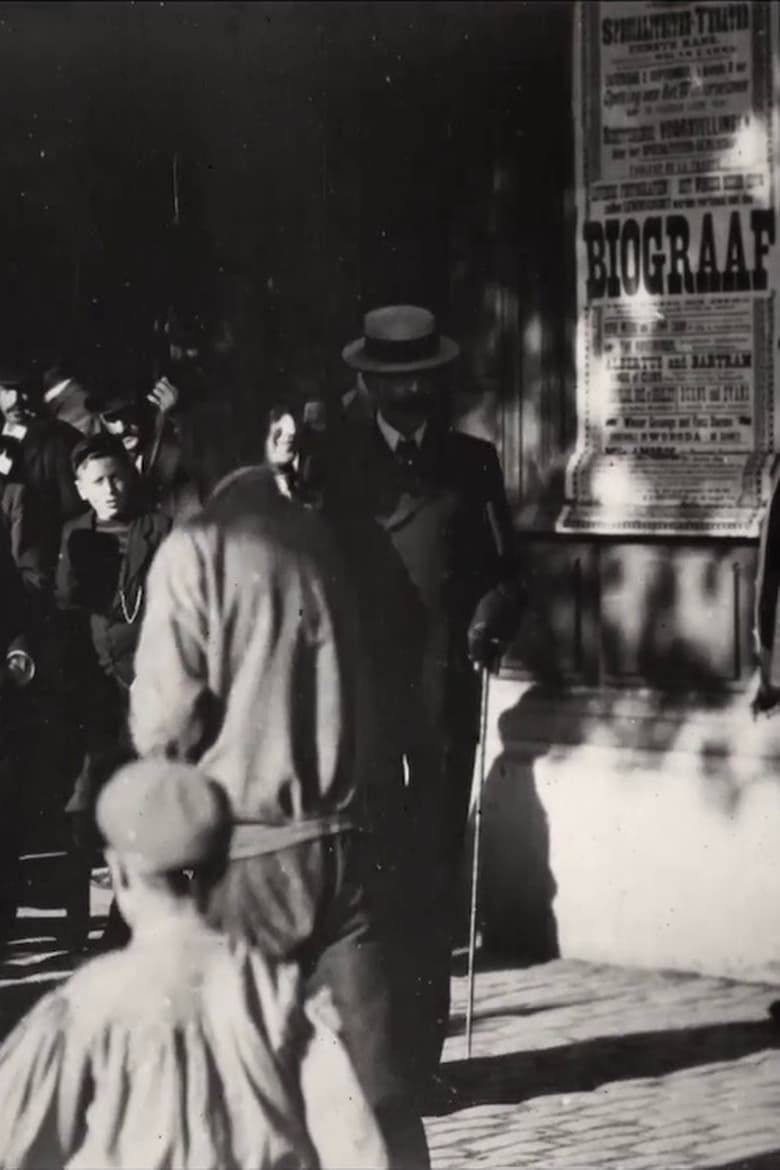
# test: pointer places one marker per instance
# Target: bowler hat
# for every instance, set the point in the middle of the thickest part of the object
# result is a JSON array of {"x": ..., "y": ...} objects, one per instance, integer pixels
[
  {"x": 120, "y": 400},
  {"x": 18, "y": 376},
  {"x": 399, "y": 339},
  {"x": 164, "y": 816}
]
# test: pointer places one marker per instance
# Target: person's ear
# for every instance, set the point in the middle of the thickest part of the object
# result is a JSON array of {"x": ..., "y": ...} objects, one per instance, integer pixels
[{"x": 79, "y": 488}]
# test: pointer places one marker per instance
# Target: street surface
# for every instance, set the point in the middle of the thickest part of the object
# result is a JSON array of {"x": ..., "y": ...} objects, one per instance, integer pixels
[{"x": 575, "y": 1066}]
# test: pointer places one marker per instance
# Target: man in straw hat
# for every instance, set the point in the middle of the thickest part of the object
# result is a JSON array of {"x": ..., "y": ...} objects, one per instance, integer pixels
[
  {"x": 182, "y": 1050},
  {"x": 248, "y": 664},
  {"x": 438, "y": 497}
]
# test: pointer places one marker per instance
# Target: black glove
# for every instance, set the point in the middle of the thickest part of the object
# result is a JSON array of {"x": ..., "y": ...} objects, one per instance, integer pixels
[
  {"x": 765, "y": 699},
  {"x": 495, "y": 623}
]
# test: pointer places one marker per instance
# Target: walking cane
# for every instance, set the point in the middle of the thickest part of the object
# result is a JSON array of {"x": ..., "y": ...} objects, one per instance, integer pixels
[{"x": 483, "y": 716}]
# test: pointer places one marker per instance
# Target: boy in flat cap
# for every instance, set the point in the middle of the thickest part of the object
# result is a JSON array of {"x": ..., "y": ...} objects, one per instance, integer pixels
[
  {"x": 101, "y": 575},
  {"x": 183, "y": 1049},
  {"x": 149, "y": 433}
]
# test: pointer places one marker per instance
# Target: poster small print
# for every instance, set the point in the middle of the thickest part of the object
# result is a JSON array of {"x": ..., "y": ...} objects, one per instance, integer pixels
[{"x": 677, "y": 268}]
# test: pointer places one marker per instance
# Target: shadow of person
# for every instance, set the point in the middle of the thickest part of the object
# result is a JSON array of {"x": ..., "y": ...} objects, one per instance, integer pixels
[
  {"x": 516, "y": 885},
  {"x": 767, "y": 1161},
  {"x": 586, "y": 1065}
]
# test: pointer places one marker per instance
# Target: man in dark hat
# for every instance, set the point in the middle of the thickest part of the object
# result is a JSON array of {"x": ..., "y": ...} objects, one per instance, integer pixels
[
  {"x": 182, "y": 1049},
  {"x": 35, "y": 452},
  {"x": 147, "y": 430},
  {"x": 437, "y": 497},
  {"x": 248, "y": 665},
  {"x": 66, "y": 399}
]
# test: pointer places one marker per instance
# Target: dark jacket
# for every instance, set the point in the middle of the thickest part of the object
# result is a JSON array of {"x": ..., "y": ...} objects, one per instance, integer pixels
[
  {"x": 22, "y": 525},
  {"x": 171, "y": 486},
  {"x": 14, "y": 612},
  {"x": 42, "y": 463},
  {"x": 109, "y": 589},
  {"x": 448, "y": 529},
  {"x": 14, "y": 704}
]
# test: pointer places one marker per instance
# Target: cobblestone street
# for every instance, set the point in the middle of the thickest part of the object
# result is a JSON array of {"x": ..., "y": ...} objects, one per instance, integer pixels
[{"x": 575, "y": 1066}]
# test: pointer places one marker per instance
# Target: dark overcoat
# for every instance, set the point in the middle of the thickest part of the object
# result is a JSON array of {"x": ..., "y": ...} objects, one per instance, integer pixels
[{"x": 447, "y": 540}]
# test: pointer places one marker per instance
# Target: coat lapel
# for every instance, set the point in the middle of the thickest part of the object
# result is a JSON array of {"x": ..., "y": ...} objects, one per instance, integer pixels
[
  {"x": 146, "y": 533},
  {"x": 393, "y": 504}
]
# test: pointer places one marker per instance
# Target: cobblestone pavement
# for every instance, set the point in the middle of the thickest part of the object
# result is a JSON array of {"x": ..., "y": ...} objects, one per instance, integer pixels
[{"x": 575, "y": 1066}]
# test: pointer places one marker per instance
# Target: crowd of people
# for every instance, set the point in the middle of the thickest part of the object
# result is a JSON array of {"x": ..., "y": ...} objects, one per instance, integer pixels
[{"x": 263, "y": 691}]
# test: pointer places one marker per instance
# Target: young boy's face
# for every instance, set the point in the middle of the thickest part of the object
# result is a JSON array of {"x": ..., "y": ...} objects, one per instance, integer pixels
[{"x": 104, "y": 483}]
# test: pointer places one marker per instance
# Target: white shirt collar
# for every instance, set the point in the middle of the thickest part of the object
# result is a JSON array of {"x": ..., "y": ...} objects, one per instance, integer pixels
[
  {"x": 394, "y": 437},
  {"x": 14, "y": 430},
  {"x": 55, "y": 391}
]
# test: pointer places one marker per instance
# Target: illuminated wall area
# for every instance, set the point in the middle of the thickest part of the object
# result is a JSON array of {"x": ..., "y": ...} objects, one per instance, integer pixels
[{"x": 633, "y": 805}]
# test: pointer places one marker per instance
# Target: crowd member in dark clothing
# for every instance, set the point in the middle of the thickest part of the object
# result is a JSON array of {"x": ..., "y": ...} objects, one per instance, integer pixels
[
  {"x": 767, "y": 586},
  {"x": 766, "y": 700},
  {"x": 17, "y": 671},
  {"x": 37, "y": 499},
  {"x": 437, "y": 498},
  {"x": 22, "y": 525},
  {"x": 105, "y": 557},
  {"x": 214, "y": 433},
  {"x": 35, "y": 451},
  {"x": 66, "y": 399},
  {"x": 149, "y": 436}
]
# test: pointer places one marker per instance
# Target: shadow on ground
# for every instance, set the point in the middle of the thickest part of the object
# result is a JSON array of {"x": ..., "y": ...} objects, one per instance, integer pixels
[
  {"x": 583, "y": 1067},
  {"x": 457, "y": 1024},
  {"x": 768, "y": 1161}
]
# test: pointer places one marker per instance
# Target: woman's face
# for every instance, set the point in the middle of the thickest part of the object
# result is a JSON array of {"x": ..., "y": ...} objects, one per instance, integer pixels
[{"x": 281, "y": 446}]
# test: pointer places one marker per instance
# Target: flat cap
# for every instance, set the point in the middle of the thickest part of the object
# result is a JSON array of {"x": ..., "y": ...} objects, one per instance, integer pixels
[
  {"x": 164, "y": 815},
  {"x": 99, "y": 446}
]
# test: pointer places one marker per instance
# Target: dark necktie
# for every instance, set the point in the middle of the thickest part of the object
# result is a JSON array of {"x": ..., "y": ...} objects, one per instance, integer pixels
[{"x": 408, "y": 455}]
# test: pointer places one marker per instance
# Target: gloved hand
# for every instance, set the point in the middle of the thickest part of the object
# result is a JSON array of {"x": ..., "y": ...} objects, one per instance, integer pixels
[
  {"x": 495, "y": 623},
  {"x": 767, "y": 696},
  {"x": 766, "y": 699}
]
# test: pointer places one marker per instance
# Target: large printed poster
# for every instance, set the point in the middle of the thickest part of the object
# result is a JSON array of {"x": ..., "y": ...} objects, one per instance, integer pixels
[{"x": 677, "y": 267}]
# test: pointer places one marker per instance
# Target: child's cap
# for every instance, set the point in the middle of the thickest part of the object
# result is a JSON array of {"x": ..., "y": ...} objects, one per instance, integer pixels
[
  {"x": 165, "y": 815},
  {"x": 100, "y": 446}
]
